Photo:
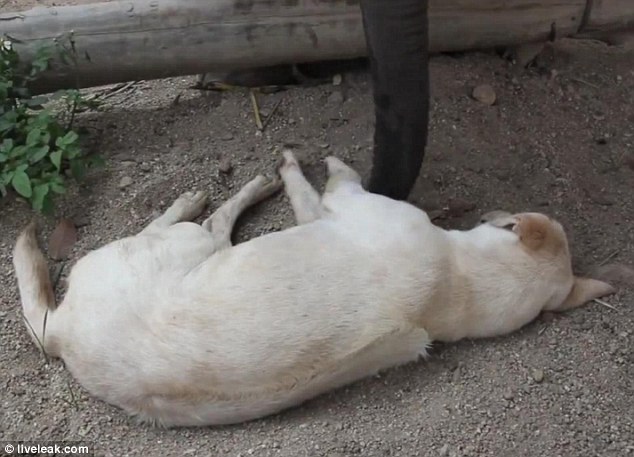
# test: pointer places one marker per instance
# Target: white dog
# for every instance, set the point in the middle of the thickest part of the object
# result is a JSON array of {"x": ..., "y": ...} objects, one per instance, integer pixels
[{"x": 178, "y": 327}]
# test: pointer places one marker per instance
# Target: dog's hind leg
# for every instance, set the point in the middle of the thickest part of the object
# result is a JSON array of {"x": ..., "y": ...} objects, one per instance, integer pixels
[
  {"x": 221, "y": 222},
  {"x": 304, "y": 198},
  {"x": 340, "y": 175},
  {"x": 186, "y": 208}
]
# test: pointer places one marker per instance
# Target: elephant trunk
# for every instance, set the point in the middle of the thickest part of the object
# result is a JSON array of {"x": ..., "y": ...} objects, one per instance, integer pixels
[{"x": 397, "y": 38}]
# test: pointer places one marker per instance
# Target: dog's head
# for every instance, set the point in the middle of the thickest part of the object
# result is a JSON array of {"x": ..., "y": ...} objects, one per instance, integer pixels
[{"x": 544, "y": 240}]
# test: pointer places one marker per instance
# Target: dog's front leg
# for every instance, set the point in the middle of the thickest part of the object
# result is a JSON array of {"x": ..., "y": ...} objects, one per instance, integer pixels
[
  {"x": 221, "y": 222},
  {"x": 305, "y": 200},
  {"x": 341, "y": 176}
]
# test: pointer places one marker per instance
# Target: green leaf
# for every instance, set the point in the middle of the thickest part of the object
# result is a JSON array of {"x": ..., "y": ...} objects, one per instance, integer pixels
[
  {"x": 33, "y": 137},
  {"x": 6, "y": 177},
  {"x": 71, "y": 137},
  {"x": 71, "y": 151},
  {"x": 39, "y": 194},
  {"x": 58, "y": 188},
  {"x": 56, "y": 158},
  {"x": 3, "y": 190},
  {"x": 7, "y": 145},
  {"x": 6, "y": 125},
  {"x": 57, "y": 183},
  {"x": 78, "y": 168},
  {"x": 16, "y": 152},
  {"x": 10, "y": 116},
  {"x": 42, "y": 120},
  {"x": 67, "y": 139},
  {"x": 3, "y": 157},
  {"x": 55, "y": 129},
  {"x": 38, "y": 154},
  {"x": 47, "y": 205},
  {"x": 22, "y": 184}
]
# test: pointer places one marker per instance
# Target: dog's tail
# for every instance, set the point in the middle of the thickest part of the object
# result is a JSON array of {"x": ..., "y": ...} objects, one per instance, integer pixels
[{"x": 34, "y": 283}]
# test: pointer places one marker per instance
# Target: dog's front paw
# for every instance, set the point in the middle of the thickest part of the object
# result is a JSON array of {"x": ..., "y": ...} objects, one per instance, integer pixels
[
  {"x": 191, "y": 204},
  {"x": 287, "y": 161},
  {"x": 267, "y": 186}
]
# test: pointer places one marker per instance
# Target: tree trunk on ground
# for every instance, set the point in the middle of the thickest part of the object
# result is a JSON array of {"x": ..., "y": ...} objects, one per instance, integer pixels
[{"x": 151, "y": 39}]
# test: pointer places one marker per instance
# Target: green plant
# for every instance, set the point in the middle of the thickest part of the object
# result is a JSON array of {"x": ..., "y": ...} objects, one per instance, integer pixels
[{"x": 38, "y": 146}]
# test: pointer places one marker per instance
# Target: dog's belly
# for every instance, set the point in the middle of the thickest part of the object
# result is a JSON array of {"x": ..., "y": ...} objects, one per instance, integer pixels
[{"x": 397, "y": 348}]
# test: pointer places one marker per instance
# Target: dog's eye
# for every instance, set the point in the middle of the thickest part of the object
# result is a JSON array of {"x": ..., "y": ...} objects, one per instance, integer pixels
[{"x": 509, "y": 226}]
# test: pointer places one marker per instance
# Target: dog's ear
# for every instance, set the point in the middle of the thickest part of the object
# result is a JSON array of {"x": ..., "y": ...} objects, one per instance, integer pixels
[
  {"x": 584, "y": 290},
  {"x": 492, "y": 216},
  {"x": 503, "y": 221},
  {"x": 536, "y": 231},
  {"x": 533, "y": 230}
]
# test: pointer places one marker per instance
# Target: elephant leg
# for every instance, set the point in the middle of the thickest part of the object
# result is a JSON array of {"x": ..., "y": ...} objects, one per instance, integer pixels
[{"x": 397, "y": 36}]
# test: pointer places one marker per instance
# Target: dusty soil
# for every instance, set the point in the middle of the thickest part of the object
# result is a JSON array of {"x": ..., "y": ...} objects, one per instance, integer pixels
[{"x": 559, "y": 140}]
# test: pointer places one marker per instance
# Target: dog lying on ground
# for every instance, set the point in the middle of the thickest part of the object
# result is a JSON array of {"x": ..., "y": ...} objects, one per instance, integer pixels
[{"x": 178, "y": 327}]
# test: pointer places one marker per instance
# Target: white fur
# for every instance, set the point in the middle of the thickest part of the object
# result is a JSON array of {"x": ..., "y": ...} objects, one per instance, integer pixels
[{"x": 175, "y": 330}]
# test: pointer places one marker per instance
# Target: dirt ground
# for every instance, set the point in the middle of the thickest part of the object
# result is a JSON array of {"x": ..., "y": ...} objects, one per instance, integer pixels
[{"x": 560, "y": 139}]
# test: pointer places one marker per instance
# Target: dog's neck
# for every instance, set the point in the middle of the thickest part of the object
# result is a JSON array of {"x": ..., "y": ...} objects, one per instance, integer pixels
[{"x": 482, "y": 292}]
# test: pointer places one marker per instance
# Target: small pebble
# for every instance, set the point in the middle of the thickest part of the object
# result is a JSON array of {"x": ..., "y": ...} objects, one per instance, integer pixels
[
  {"x": 225, "y": 166},
  {"x": 538, "y": 375},
  {"x": 337, "y": 80},
  {"x": 81, "y": 219},
  {"x": 485, "y": 94},
  {"x": 455, "y": 377},
  {"x": 125, "y": 182},
  {"x": 526, "y": 53}
]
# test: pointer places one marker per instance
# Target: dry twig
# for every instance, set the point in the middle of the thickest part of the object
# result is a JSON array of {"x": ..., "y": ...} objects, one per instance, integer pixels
[
  {"x": 268, "y": 118},
  {"x": 585, "y": 82},
  {"x": 256, "y": 110},
  {"x": 603, "y": 303},
  {"x": 610, "y": 257}
]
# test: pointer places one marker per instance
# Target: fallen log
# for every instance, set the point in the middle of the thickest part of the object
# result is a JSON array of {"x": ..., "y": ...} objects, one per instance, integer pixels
[
  {"x": 609, "y": 15},
  {"x": 150, "y": 39}
]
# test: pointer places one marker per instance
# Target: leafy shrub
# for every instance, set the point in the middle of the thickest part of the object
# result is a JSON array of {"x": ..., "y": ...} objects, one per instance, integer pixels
[{"x": 38, "y": 150}]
